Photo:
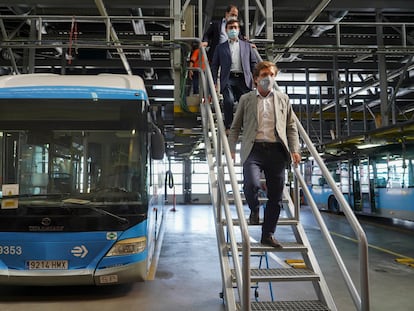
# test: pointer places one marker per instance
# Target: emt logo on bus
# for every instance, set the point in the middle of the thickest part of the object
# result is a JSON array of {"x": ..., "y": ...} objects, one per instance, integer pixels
[{"x": 79, "y": 251}]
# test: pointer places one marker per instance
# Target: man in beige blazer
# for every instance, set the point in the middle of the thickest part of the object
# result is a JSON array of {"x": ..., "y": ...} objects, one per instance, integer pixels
[{"x": 270, "y": 141}]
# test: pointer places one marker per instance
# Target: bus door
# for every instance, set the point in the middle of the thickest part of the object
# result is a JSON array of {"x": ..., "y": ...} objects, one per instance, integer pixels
[
  {"x": 345, "y": 178},
  {"x": 361, "y": 185}
]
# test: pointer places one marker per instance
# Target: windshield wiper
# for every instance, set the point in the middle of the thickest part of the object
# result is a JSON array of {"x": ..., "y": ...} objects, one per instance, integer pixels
[{"x": 79, "y": 203}]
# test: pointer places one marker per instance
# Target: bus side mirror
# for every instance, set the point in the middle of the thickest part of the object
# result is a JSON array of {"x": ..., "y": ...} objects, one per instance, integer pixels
[
  {"x": 157, "y": 144},
  {"x": 322, "y": 181}
]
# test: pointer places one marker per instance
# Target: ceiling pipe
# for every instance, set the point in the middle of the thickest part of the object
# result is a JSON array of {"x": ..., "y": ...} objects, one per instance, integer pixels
[
  {"x": 139, "y": 29},
  {"x": 334, "y": 17},
  {"x": 114, "y": 36}
]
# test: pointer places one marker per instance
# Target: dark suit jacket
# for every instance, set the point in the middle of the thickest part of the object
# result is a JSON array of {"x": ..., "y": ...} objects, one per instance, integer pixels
[
  {"x": 222, "y": 59},
  {"x": 212, "y": 36}
]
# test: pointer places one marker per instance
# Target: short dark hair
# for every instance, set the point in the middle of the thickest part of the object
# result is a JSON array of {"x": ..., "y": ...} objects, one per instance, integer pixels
[
  {"x": 263, "y": 65},
  {"x": 233, "y": 21},
  {"x": 231, "y": 6}
]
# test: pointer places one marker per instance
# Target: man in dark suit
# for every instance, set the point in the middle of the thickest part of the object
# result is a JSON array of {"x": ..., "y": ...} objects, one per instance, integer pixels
[
  {"x": 216, "y": 32},
  {"x": 236, "y": 60}
]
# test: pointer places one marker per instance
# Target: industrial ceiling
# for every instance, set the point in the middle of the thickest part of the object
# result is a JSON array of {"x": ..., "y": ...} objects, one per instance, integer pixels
[{"x": 361, "y": 48}]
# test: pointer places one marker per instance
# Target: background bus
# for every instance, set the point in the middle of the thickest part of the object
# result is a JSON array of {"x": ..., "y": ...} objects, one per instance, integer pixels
[
  {"x": 80, "y": 193},
  {"x": 377, "y": 183}
]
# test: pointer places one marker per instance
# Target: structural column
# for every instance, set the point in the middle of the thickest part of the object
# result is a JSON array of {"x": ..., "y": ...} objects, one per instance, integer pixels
[{"x": 382, "y": 70}]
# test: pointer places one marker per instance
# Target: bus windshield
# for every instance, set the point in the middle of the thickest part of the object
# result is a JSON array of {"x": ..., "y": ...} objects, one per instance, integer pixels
[{"x": 72, "y": 175}]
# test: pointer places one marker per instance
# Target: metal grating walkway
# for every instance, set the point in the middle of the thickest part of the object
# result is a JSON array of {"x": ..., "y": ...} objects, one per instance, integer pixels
[{"x": 306, "y": 305}]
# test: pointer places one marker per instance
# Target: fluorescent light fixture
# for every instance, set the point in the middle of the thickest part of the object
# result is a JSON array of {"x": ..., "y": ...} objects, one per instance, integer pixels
[
  {"x": 169, "y": 87},
  {"x": 367, "y": 146},
  {"x": 163, "y": 99},
  {"x": 409, "y": 110}
]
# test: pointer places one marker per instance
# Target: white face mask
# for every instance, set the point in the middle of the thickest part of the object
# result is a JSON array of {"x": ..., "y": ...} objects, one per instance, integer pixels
[{"x": 267, "y": 83}]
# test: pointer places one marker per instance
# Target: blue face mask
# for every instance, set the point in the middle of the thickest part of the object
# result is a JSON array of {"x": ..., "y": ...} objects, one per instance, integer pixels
[{"x": 233, "y": 33}]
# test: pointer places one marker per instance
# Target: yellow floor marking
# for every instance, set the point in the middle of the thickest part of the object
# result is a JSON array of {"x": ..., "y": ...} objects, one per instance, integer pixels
[
  {"x": 406, "y": 261},
  {"x": 402, "y": 258},
  {"x": 381, "y": 249},
  {"x": 296, "y": 263}
]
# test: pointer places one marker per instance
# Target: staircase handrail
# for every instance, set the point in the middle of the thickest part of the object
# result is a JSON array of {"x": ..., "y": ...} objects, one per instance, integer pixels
[
  {"x": 242, "y": 272},
  {"x": 360, "y": 301}
]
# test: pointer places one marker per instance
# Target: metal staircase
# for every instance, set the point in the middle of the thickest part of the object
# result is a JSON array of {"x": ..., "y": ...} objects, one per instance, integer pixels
[
  {"x": 309, "y": 272},
  {"x": 236, "y": 248},
  {"x": 323, "y": 299}
]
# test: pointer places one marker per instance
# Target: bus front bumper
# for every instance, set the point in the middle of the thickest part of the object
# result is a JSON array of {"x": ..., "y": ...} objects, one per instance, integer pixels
[{"x": 109, "y": 276}]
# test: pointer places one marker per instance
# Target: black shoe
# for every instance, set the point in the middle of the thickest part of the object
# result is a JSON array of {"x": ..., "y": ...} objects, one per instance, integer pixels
[
  {"x": 271, "y": 241},
  {"x": 254, "y": 218}
]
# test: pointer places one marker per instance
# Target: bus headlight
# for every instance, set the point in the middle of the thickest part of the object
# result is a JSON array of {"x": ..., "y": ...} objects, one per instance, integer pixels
[{"x": 128, "y": 247}]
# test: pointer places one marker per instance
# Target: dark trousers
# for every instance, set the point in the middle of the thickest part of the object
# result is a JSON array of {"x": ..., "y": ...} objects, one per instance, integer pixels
[
  {"x": 235, "y": 88},
  {"x": 195, "y": 82},
  {"x": 269, "y": 158}
]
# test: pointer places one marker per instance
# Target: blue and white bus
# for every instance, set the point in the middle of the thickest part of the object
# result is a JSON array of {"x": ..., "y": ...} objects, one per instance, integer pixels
[
  {"x": 81, "y": 180},
  {"x": 379, "y": 182}
]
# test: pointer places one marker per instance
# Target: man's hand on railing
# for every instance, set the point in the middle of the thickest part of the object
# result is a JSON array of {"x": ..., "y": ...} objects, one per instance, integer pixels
[{"x": 296, "y": 157}]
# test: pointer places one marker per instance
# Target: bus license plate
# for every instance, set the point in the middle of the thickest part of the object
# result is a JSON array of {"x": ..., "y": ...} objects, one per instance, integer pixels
[{"x": 47, "y": 264}]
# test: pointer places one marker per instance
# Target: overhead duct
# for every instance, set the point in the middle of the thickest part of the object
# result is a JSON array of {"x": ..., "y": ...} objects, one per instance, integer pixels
[
  {"x": 290, "y": 57},
  {"x": 40, "y": 27},
  {"x": 334, "y": 17},
  {"x": 26, "y": 11}
]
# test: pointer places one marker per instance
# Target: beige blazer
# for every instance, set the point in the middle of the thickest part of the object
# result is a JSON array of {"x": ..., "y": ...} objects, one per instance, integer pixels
[{"x": 245, "y": 119}]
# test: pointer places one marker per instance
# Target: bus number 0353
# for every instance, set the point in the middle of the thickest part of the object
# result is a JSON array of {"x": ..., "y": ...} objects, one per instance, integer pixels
[{"x": 10, "y": 250}]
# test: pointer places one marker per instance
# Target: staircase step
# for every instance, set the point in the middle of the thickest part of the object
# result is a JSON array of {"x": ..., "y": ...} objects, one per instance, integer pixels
[
  {"x": 280, "y": 275},
  {"x": 240, "y": 181},
  {"x": 262, "y": 199},
  {"x": 304, "y": 305},
  {"x": 281, "y": 221},
  {"x": 230, "y": 198},
  {"x": 286, "y": 247}
]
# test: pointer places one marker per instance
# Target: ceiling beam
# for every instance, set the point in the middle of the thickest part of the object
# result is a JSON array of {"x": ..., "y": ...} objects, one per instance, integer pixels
[{"x": 114, "y": 36}]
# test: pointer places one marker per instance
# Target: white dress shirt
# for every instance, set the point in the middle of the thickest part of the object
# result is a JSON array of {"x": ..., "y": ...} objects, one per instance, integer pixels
[
  {"x": 236, "y": 65},
  {"x": 266, "y": 118}
]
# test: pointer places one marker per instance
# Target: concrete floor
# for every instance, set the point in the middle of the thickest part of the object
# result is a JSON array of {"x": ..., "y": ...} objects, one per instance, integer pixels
[{"x": 188, "y": 274}]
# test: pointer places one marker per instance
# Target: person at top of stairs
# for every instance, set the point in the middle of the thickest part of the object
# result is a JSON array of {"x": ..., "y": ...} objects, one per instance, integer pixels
[
  {"x": 235, "y": 60},
  {"x": 270, "y": 141},
  {"x": 216, "y": 33}
]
